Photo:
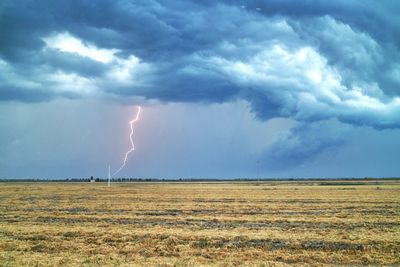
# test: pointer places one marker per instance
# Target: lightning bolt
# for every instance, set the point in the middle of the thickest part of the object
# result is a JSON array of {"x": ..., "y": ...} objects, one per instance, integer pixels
[{"x": 131, "y": 123}]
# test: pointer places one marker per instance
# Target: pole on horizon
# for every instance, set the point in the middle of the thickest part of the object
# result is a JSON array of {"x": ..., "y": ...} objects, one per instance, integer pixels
[{"x": 109, "y": 175}]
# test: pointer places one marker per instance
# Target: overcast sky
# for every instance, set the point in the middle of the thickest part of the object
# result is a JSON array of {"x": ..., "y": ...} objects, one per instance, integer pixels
[{"x": 228, "y": 89}]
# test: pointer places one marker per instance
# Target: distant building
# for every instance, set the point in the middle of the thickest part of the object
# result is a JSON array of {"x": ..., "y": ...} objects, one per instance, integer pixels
[{"x": 92, "y": 179}]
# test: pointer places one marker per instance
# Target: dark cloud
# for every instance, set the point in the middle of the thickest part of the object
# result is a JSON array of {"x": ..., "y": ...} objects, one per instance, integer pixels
[
  {"x": 72, "y": 63},
  {"x": 16, "y": 94},
  {"x": 304, "y": 142}
]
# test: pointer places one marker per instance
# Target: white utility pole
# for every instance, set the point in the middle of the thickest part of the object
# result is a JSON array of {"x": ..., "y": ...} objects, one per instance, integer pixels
[{"x": 109, "y": 175}]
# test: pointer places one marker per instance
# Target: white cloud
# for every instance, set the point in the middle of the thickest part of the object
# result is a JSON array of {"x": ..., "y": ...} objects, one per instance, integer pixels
[
  {"x": 65, "y": 42},
  {"x": 300, "y": 81},
  {"x": 120, "y": 72},
  {"x": 128, "y": 72}
]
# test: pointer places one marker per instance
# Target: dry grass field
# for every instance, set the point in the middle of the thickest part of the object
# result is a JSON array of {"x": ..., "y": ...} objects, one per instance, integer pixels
[{"x": 200, "y": 224}]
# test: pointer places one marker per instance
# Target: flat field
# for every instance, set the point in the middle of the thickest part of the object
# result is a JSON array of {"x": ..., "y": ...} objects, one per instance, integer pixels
[{"x": 200, "y": 224}]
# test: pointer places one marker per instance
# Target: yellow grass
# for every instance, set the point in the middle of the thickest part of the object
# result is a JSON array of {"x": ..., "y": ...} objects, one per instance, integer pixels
[{"x": 199, "y": 224}]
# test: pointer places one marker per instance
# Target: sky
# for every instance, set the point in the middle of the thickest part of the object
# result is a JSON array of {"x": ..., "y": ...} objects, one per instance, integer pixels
[{"x": 228, "y": 89}]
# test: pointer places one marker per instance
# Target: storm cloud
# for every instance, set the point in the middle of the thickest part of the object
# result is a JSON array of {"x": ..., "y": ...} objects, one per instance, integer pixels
[
  {"x": 310, "y": 61},
  {"x": 329, "y": 64}
]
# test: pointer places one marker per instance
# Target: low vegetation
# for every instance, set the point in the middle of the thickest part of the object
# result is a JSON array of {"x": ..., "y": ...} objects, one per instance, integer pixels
[{"x": 200, "y": 224}]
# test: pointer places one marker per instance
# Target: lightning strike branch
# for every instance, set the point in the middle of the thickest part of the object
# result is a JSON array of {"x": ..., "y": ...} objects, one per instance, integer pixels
[{"x": 131, "y": 123}]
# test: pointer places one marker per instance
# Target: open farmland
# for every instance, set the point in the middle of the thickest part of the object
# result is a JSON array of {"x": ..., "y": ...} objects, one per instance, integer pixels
[{"x": 187, "y": 224}]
